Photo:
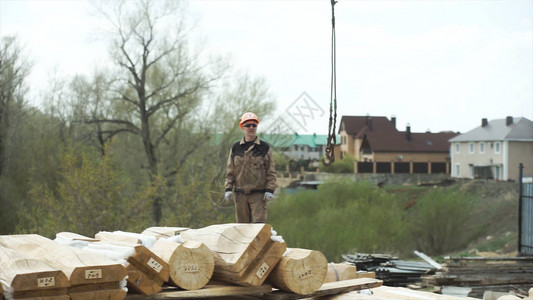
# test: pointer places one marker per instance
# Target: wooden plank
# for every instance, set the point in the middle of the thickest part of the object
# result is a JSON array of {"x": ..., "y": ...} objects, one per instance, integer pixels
[
  {"x": 208, "y": 291},
  {"x": 191, "y": 264},
  {"x": 82, "y": 268},
  {"x": 300, "y": 271},
  {"x": 342, "y": 271},
  {"x": 99, "y": 294},
  {"x": 330, "y": 288},
  {"x": 405, "y": 293}
]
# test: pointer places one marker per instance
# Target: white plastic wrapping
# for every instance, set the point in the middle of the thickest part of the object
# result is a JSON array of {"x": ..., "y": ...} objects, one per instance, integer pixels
[
  {"x": 275, "y": 237},
  {"x": 123, "y": 284},
  {"x": 63, "y": 240},
  {"x": 176, "y": 239},
  {"x": 114, "y": 252},
  {"x": 8, "y": 290},
  {"x": 146, "y": 240}
]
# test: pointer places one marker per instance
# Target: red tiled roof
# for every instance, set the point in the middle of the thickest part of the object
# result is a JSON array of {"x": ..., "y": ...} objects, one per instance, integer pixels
[{"x": 397, "y": 141}]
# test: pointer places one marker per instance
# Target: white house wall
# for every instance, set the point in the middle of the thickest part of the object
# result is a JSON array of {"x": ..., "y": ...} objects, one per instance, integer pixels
[
  {"x": 463, "y": 159},
  {"x": 506, "y": 162}
]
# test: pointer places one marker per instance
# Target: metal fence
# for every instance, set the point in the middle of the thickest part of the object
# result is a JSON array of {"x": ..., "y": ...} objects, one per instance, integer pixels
[{"x": 525, "y": 217}]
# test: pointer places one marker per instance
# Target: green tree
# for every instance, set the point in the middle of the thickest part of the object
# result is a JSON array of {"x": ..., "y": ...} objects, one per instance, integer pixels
[
  {"x": 90, "y": 196},
  {"x": 14, "y": 69}
]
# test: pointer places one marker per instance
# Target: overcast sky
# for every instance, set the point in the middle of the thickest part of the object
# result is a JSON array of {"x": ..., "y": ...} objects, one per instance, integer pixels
[{"x": 437, "y": 65}]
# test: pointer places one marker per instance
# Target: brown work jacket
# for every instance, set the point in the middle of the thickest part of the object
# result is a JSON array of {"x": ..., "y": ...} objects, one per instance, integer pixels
[{"x": 251, "y": 170}]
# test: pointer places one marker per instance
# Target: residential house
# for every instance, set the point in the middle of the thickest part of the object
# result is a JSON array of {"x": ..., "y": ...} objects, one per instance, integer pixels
[
  {"x": 352, "y": 130},
  {"x": 299, "y": 146},
  {"x": 494, "y": 150},
  {"x": 378, "y": 147}
]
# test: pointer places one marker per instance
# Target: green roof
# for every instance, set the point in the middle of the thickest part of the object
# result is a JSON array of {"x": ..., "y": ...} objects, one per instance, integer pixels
[{"x": 287, "y": 140}]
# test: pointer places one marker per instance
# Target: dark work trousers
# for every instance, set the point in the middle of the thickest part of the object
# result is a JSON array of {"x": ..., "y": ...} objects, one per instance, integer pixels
[{"x": 250, "y": 208}]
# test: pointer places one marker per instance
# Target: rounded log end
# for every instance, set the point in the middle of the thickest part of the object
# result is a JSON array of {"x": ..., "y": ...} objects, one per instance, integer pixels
[{"x": 191, "y": 265}]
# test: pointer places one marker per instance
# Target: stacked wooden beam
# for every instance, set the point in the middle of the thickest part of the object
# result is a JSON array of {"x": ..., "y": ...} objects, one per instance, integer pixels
[
  {"x": 498, "y": 274},
  {"x": 22, "y": 277},
  {"x": 245, "y": 254},
  {"x": 146, "y": 271},
  {"x": 90, "y": 276},
  {"x": 221, "y": 260}
]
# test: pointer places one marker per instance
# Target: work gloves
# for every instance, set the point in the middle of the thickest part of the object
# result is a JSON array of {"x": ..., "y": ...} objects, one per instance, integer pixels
[
  {"x": 227, "y": 195},
  {"x": 268, "y": 196}
]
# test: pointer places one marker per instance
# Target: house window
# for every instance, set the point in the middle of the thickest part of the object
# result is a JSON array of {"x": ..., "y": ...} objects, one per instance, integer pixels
[
  {"x": 457, "y": 170},
  {"x": 497, "y": 147},
  {"x": 471, "y": 171},
  {"x": 457, "y": 148},
  {"x": 471, "y": 148},
  {"x": 497, "y": 172},
  {"x": 481, "y": 147}
]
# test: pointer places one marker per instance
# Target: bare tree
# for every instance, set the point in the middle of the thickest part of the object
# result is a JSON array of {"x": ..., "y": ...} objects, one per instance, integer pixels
[{"x": 161, "y": 83}]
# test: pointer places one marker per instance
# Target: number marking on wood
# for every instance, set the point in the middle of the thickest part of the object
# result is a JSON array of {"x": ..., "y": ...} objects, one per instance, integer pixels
[
  {"x": 93, "y": 274},
  {"x": 46, "y": 282},
  {"x": 305, "y": 274},
  {"x": 191, "y": 268},
  {"x": 262, "y": 270},
  {"x": 152, "y": 263}
]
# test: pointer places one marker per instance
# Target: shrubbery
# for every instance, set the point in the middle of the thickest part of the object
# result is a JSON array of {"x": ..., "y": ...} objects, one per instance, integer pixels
[
  {"x": 348, "y": 217},
  {"x": 345, "y": 165}
]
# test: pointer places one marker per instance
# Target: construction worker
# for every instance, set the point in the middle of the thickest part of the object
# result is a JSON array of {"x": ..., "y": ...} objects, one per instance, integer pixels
[{"x": 250, "y": 174}]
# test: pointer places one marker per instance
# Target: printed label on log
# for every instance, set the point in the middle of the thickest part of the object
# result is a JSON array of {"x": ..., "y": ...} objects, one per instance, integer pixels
[
  {"x": 305, "y": 274},
  {"x": 262, "y": 270},
  {"x": 46, "y": 282},
  {"x": 154, "y": 265},
  {"x": 191, "y": 268},
  {"x": 93, "y": 274}
]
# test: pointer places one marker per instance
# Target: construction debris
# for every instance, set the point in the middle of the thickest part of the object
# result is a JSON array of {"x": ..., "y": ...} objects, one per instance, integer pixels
[
  {"x": 391, "y": 270},
  {"x": 479, "y": 274}
]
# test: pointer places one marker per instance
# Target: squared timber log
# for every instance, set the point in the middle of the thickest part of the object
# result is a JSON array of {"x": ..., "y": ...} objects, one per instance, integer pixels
[
  {"x": 25, "y": 277},
  {"x": 90, "y": 275},
  {"x": 146, "y": 271},
  {"x": 244, "y": 254}
]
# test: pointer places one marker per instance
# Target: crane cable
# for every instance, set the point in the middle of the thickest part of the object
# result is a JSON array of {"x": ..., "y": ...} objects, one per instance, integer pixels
[{"x": 332, "y": 140}]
